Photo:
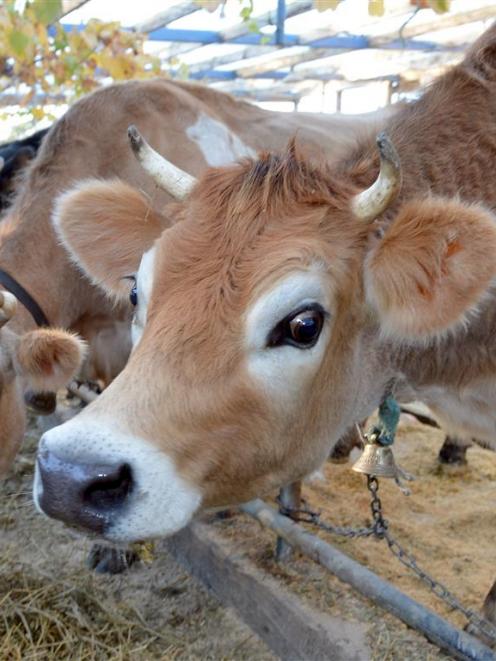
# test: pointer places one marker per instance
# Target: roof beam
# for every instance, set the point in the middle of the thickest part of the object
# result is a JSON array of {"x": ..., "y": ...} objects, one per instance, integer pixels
[
  {"x": 167, "y": 16},
  {"x": 441, "y": 21},
  {"x": 294, "y": 8},
  {"x": 244, "y": 53},
  {"x": 70, "y": 5},
  {"x": 278, "y": 59}
]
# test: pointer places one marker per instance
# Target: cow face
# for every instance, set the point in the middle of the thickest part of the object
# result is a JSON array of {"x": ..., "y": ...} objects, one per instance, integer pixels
[
  {"x": 263, "y": 322},
  {"x": 35, "y": 362}
]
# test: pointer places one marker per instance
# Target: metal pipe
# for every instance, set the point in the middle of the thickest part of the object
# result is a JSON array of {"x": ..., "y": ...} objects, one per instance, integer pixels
[
  {"x": 458, "y": 643},
  {"x": 281, "y": 18},
  {"x": 289, "y": 497}
]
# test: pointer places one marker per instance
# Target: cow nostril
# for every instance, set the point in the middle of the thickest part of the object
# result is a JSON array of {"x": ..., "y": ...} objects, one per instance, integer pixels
[{"x": 109, "y": 489}]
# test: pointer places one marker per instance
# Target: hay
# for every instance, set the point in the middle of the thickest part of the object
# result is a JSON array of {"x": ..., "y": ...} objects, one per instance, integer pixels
[
  {"x": 42, "y": 619},
  {"x": 53, "y": 607}
]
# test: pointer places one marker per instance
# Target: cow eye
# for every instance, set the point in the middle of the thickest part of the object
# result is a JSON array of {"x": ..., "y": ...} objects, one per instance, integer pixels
[
  {"x": 300, "y": 329},
  {"x": 133, "y": 295}
]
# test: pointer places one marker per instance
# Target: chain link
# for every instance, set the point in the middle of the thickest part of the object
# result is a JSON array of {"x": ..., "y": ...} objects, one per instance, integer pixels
[{"x": 380, "y": 530}]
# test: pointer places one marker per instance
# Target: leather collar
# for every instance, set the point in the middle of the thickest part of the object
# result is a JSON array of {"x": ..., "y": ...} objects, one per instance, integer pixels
[{"x": 11, "y": 285}]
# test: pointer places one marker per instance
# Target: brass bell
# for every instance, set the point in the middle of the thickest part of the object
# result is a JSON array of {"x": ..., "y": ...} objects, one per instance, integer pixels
[{"x": 376, "y": 460}]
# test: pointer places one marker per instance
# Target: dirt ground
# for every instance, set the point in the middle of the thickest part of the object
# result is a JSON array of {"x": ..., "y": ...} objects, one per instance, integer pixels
[{"x": 52, "y": 606}]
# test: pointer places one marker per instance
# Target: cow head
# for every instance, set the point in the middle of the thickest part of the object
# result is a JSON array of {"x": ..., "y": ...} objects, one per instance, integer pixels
[
  {"x": 35, "y": 362},
  {"x": 262, "y": 323}
]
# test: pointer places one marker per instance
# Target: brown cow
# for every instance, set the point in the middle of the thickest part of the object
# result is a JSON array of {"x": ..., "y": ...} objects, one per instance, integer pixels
[
  {"x": 281, "y": 306},
  {"x": 191, "y": 124},
  {"x": 39, "y": 360}
]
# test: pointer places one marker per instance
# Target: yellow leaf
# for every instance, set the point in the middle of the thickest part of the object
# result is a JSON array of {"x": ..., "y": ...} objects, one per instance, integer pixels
[
  {"x": 38, "y": 113},
  {"x": 119, "y": 67},
  {"x": 322, "y": 5},
  {"x": 376, "y": 7}
]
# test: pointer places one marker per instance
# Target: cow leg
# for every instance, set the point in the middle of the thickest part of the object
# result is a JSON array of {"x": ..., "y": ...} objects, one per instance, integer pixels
[
  {"x": 341, "y": 452},
  {"x": 289, "y": 497},
  {"x": 489, "y": 613},
  {"x": 110, "y": 560},
  {"x": 489, "y": 606},
  {"x": 454, "y": 451}
]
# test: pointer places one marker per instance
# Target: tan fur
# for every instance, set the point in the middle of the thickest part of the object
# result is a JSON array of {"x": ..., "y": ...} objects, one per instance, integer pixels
[
  {"x": 187, "y": 389},
  {"x": 41, "y": 360},
  {"x": 93, "y": 214},
  {"x": 48, "y": 358},
  {"x": 432, "y": 267},
  {"x": 90, "y": 140}
]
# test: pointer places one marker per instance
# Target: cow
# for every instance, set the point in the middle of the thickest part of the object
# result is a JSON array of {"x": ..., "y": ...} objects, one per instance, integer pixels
[
  {"x": 282, "y": 304},
  {"x": 189, "y": 123},
  {"x": 14, "y": 156},
  {"x": 193, "y": 125},
  {"x": 38, "y": 360}
]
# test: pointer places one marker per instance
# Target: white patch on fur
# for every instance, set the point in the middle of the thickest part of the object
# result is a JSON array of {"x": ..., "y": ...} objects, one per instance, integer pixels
[
  {"x": 161, "y": 501},
  {"x": 144, "y": 283},
  {"x": 283, "y": 370},
  {"x": 217, "y": 143}
]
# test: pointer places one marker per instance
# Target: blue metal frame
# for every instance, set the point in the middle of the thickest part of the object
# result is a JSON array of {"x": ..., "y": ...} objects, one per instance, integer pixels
[
  {"x": 281, "y": 18},
  {"x": 346, "y": 42},
  {"x": 339, "y": 42}
]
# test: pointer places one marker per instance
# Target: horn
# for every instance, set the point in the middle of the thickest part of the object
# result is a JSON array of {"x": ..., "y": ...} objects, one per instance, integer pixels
[
  {"x": 8, "y": 306},
  {"x": 371, "y": 202},
  {"x": 170, "y": 178}
]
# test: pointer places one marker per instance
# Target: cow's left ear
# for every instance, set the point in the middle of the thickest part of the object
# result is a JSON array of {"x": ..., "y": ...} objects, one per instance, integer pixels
[
  {"x": 48, "y": 358},
  {"x": 431, "y": 267}
]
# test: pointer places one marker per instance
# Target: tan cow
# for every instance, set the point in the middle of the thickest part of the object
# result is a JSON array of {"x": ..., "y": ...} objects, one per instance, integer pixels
[
  {"x": 280, "y": 307},
  {"x": 191, "y": 124},
  {"x": 39, "y": 360}
]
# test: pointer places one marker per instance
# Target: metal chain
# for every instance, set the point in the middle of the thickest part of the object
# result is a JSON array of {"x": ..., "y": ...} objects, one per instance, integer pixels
[{"x": 380, "y": 529}]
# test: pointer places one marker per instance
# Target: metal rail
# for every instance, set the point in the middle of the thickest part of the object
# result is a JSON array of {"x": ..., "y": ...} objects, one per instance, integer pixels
[{"x": 458, "y": 643}]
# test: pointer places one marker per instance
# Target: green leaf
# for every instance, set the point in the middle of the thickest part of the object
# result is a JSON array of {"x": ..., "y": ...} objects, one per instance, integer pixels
[
  {"x": 440, "y": 6},
  {"x": 18, "y": 41},
  {"x": 47, "y": 11}
]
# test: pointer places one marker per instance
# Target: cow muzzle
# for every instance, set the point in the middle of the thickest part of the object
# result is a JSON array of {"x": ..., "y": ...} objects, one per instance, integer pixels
[
  {"x": 40, "y": 403},
  {"x": 85, "y": 496},
  {"x": 92, "y": 475}
]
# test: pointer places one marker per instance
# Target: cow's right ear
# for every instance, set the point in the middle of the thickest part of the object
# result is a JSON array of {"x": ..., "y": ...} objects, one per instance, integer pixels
[{"x": 106, "y": 226}]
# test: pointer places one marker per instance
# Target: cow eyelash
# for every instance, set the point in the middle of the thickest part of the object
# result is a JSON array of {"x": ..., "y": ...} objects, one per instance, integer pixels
[{"x": 133, "y": 294}]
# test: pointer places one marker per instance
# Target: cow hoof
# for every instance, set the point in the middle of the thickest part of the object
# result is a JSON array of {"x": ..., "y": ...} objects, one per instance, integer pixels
[
  {"x": 109, "y": 560},
  {"x": 453, "y": 454}
]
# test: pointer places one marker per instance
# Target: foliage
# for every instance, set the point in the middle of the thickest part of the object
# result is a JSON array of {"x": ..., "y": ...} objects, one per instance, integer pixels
[{"x": 39, "y": 59}]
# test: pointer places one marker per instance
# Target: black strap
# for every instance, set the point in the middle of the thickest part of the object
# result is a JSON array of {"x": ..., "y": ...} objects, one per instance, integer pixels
[{"x": 23, "y": 297}]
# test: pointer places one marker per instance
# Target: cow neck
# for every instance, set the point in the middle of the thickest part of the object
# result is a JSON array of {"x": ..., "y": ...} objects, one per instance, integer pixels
[
  {"x": 30, "y": 255},
  {"x": 24, "y": 298}
]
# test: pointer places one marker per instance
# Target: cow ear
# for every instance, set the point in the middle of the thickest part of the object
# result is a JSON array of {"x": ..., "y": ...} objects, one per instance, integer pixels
[
  {"x": 47, "y": 359},
  {"x": 431, "y": 267},
  {"x": 106, "y": 226}
]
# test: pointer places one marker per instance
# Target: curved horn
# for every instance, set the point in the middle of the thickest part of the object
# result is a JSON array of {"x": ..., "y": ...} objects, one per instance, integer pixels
[
  {"x": 170, "y": 178},
  {"x": 8, "y": 306},
  {"x": 371, "y": 202}
]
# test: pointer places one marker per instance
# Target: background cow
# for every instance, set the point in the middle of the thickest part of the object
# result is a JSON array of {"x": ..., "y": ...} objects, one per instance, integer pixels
[
  {"x": 14, "y": 156},
  {"x": 282, "y": 305},
  {"x": 37, "y": 361}
]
